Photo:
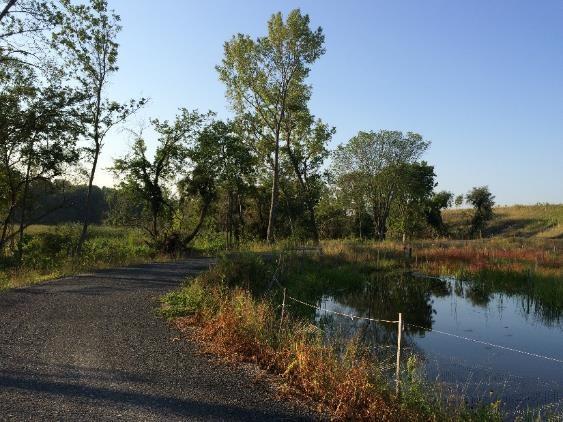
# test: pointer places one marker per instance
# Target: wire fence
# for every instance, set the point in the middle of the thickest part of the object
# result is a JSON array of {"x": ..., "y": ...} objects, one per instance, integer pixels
[{"x": 481, "y": 384}]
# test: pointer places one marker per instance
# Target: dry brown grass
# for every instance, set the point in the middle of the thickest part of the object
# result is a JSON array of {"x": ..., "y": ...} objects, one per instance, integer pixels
[
  {"x": 542, "y": 257},
  {"x": 345, "y": 387}
]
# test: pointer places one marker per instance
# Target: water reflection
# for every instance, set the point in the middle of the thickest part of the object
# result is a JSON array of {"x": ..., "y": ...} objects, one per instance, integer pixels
[{"x": 518, "y": 313}]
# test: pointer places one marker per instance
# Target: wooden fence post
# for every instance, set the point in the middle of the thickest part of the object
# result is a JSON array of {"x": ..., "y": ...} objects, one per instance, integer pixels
[{"x": 398, "y": 370}]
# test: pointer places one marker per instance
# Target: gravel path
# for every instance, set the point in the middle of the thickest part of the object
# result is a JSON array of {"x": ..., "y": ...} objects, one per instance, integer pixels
[{"x": 91, "y": 347}]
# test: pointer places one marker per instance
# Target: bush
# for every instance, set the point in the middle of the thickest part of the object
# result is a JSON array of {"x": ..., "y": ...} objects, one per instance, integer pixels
[{"x": 190, "y": 300}]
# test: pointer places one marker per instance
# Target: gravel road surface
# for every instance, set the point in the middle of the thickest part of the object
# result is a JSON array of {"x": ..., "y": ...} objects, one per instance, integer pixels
[{"x": 92, "y": 347}]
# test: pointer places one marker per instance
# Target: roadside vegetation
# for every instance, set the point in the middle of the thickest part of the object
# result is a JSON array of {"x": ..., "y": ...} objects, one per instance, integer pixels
[
  {"x": 236, "y": 313},
  {"x": 47, "y": 253}
]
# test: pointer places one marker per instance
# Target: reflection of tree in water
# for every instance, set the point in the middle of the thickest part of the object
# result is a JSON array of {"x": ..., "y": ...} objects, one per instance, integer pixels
[
  {"x": 535, "y": 296},
  {"x": 381, "y": 296},
  {"x": 387, "y": 294}
]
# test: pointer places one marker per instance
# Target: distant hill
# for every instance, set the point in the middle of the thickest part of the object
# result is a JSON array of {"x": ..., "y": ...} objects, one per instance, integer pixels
[{"x": 541, "y": 220}]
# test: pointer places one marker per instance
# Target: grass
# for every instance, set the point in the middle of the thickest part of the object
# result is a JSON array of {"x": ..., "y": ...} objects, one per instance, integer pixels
[
  {"x": 236, "y": 316},
  {"x": 464, "y": 259},
  {"x": 48, "y": 253},
  {"x": 529, "y": 221}
]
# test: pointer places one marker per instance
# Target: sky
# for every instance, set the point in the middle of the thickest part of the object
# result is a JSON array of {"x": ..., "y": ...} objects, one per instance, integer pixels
[{"x": 482, "y": 80}]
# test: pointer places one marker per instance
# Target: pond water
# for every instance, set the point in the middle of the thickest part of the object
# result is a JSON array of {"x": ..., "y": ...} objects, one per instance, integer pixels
[{"x": 512, "y": 314}]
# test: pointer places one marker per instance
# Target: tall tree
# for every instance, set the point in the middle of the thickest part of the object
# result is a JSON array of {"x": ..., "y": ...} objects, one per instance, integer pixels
[
  {"x": 88, "y": 41},
  {"x": 436, "y": 203},
  {"x": 38, "y": 126},
  {"x": 306, "y": 147},
  {"x": 414, "y": 186},
  {"x": 373, "y": 159},
  {"x": 25, "y": 28},
  {"x": 266, "y": 77},
  {"x": 222, "y": 152}
]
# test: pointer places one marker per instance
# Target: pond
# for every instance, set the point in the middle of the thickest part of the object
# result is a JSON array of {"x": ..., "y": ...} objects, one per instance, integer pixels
[{"x": 446, "y": 321}]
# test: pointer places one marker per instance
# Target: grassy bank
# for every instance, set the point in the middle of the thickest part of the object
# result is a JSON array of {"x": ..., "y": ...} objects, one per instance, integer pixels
[
  {"x": 235, "y": 310},
  {"x": 539, "y": 221},
  {"x": 48, "y": 253},
  {"x": 536, "y": 258}
]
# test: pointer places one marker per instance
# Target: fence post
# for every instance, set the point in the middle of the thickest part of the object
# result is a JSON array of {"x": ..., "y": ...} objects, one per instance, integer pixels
[
  {"x": 398, "y": 371},
  {"x": 283, "y": 309}
]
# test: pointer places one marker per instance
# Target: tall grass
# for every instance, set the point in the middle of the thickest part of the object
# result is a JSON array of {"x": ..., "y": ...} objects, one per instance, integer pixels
[
  {"x": 237, "y": 316},
  {"x": 48, "y": 253},
  {"x": 458, "y": 258}
]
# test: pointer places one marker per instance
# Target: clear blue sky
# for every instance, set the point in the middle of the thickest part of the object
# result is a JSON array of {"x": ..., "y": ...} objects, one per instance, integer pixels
[{"x": 482, "y": 80}]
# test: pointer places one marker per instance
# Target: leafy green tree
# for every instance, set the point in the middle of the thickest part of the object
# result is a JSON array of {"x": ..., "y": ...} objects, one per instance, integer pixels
[
  {"x": 415, "y": 184},
  {"x": 483, "y": 202},
  {"x": 458, "y": 201},
  {"x": 373, "y": 160},
  {"x": 87, "y": 39},
  {"x": 38, "y": 126},
  {"x": 435, "y": 204},
  {"x": 306, "y": 147},
  {"x": 153, "y": 179},
  {"x": 25, "y": 28},
  {"x": 221, "y": 151},
  {"x": 266, "y": 77}
]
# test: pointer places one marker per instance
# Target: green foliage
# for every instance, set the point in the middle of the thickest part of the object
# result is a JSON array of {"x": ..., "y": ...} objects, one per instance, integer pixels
[
  {"x": 367, "y": 169},
  {"x": 265, "y": 81},
  {"x": 482, "y": 201},
  {"x": 190, "y": 300},
  {"x": 246, "y": 269},
  {"x": 48, "y": 252}
]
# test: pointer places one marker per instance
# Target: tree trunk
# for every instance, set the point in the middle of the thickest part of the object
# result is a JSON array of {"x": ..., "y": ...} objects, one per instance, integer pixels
[
  {"x": 195, "y": 231},
  {"x": 275, "y": 189},
  {"x": 5, "y": 226},
  {"x": 313, "y": 218},
  {"x": 23, "y": 206},
  {"x": 305, "y": 192},
  {"x": 155, "y": 222},
  {"x": 86, "y": 221},
  {"x": 97, "y": 148}
]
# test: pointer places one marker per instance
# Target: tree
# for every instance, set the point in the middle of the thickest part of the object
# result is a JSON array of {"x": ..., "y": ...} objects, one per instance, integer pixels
[
  {"x": 222, "y": 152},
  {"x": 373, "y": 160},
  {"x": 38, "y": 126},
  {"x": 415, "y": 184},
  {"x": 266, "y": 77},
  {"x": 88, "y": 40},
  {"x": 152, "y": 179},
  {"x": 435, "y": 204},
  {"x": 306, "y": 147},
  {"x": 25, "y": 26},
  {"x": 458, "y": 201},
  {"x": 482, "y": 201}
]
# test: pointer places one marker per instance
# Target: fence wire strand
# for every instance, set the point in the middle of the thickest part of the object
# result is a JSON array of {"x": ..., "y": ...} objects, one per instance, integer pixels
[
  {"x": 355, "y": 317},
  {"x": 486, "y": 343},
  {"x": 352, "y": 317}
]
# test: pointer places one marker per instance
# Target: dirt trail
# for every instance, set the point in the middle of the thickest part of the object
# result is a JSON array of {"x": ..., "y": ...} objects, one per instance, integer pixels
[{"x": 92, "y": 347}]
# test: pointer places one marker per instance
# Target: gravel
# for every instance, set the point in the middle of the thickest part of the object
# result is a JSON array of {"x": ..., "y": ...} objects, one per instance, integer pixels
[{"x": 92, "y": 347}]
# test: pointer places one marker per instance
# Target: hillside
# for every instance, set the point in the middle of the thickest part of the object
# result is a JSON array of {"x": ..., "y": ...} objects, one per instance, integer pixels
[{"x": 541, "y": 221}]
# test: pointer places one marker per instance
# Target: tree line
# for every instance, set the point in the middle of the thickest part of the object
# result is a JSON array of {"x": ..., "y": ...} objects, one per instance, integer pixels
[{"x": 267, "y": 173}]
